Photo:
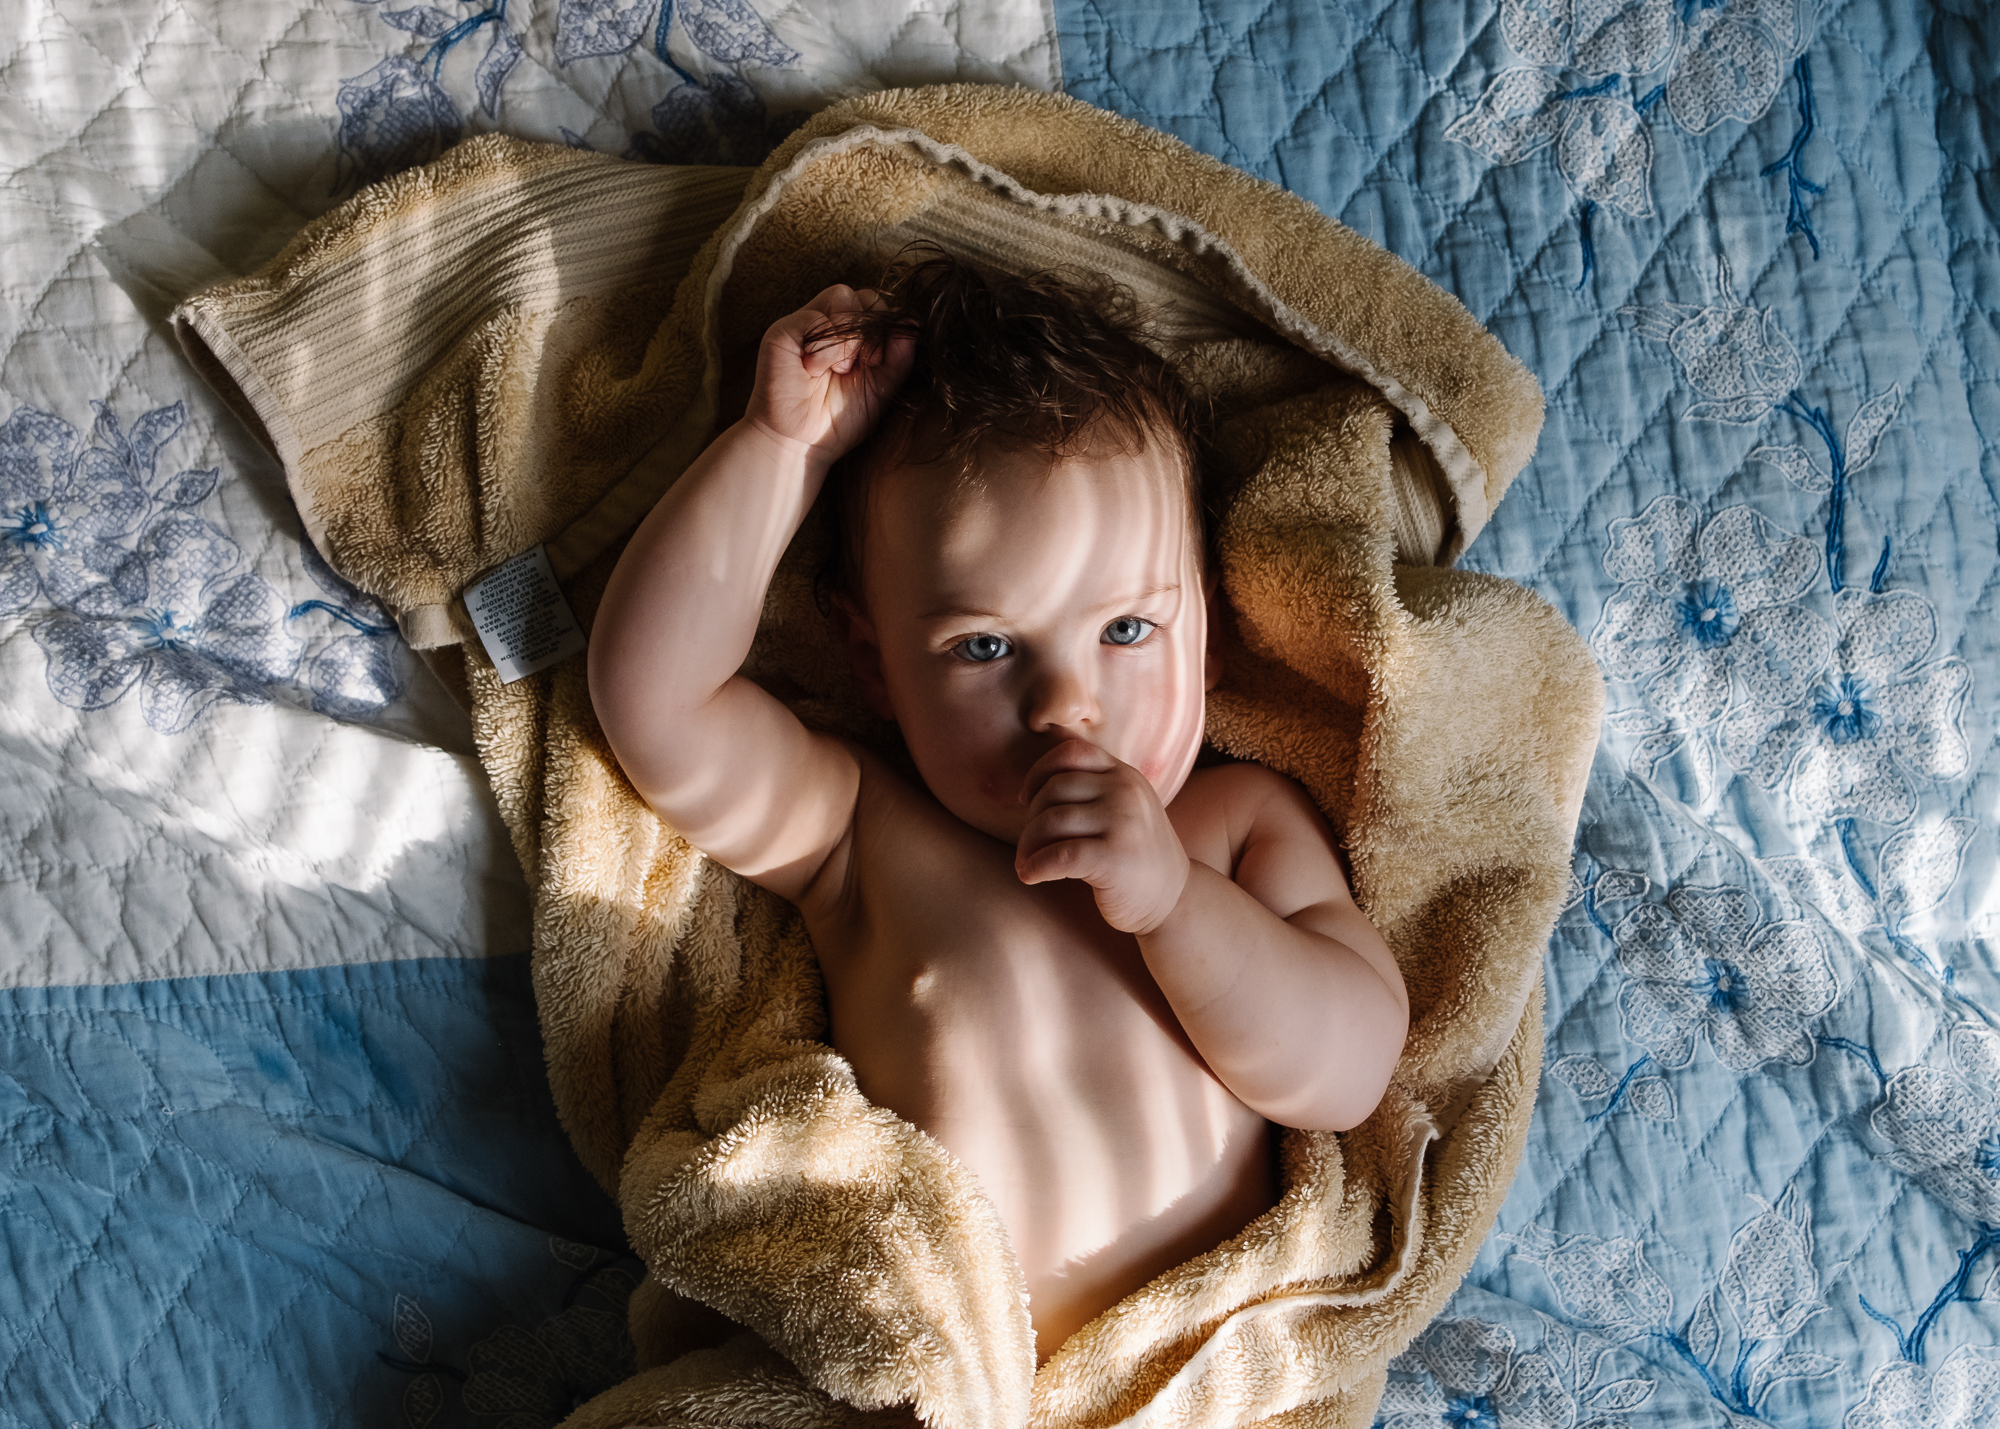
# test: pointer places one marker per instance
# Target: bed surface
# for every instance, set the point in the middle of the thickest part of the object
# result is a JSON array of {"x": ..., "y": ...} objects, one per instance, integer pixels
[{"x": 277, "y": 1142}]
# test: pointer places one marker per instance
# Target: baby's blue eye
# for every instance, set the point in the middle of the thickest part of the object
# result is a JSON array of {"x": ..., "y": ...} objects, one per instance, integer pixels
[
  {"x": 1127, "y": 630},
  {"x": 981, "y": 649}
]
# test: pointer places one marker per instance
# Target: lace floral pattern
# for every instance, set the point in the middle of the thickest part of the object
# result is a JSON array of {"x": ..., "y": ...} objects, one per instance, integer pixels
[
  {"x": 1702, "y": 63},
  {"x": 1945, "y": 1124},
  {"x": 127, "y": 588},
  {"x": 1700, "y": 965},
  {"x": 178, "y": 620},
  {"x": 1465, "y": 1374},
  {"x": 1880, "y": 719},
  {"x": 1703, "y": 609},
  {"x": 1769, "y": 1283},
  {"x": 1963, "y": 1393},
  {"x": 1735, "y": 355}
]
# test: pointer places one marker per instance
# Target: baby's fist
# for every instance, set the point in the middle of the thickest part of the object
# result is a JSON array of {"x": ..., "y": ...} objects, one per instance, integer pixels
[
  {"x": 1093, "y": 817},
  {"x": 825, "y": 395}
]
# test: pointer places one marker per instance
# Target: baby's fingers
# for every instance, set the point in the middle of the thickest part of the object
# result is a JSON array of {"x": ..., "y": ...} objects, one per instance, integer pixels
[
  {"x": 1066, "y": 858},
  {"x": 1071, "y": 756}
]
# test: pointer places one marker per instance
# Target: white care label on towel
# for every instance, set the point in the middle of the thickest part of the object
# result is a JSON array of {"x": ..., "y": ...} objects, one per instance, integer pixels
[{"x": 521, "y": 616}]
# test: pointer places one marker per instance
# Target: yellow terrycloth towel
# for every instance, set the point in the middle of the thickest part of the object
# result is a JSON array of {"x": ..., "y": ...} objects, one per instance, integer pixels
[{"x": 522, "y": 345}]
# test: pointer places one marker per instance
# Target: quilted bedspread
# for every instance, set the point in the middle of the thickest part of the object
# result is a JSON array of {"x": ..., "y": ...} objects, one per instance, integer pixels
[{"x": 275, "y": 1142}]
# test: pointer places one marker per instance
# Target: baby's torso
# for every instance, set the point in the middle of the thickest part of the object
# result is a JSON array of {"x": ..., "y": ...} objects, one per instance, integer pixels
[{"x": 1016, "y": 1027}]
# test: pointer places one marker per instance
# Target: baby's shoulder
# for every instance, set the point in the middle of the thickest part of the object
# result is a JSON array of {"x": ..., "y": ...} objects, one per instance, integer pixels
[{"x": 1221, "y": 807}]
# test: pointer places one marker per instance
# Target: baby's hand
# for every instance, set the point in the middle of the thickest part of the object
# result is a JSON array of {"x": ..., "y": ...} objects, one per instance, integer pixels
[
  {"x": 1094, "y": 817},
  {"x": 826, "y": 399}
]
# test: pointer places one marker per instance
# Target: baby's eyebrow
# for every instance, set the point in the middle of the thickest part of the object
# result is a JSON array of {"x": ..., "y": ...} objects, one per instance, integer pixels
[
  {"x": 1165, "y": 588},
  {"x": 961, "y": 612},
  {"x": 967, "y": 612}
]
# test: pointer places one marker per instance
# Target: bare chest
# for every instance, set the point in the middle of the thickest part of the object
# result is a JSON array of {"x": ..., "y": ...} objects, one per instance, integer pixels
[{"x": 1015, "y": 1026}]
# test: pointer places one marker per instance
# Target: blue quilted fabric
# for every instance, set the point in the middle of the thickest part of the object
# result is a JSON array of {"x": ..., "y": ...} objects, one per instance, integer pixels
[
  {"x": 1750, "y": 251},
  {"x": 1748, "y": 246},
  {"x": 335, "y": 1197}
]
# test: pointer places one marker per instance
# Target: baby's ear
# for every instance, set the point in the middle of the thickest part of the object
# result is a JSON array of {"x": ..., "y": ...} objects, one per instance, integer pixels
[
  {"x": 864, "y": 652},
  {"x": 1211, "y": 669}
]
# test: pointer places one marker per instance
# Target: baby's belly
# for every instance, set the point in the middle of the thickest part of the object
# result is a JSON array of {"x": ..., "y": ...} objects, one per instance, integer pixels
[{"x": 1051, "y": 1065}]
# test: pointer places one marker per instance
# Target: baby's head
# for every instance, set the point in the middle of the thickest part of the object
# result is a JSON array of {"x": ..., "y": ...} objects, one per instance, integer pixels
[{"x": 1021, "y": 555}]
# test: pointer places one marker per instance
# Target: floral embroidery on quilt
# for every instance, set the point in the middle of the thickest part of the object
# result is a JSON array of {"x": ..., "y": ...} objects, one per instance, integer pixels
[
  {"x": 125, "y": 587},
  {"x": 1703, "y": 966},
  {"x": 400, "y": 113},
  {"x": 1706, "y": 608},
  {"x": 1769, "y": 1284},
  {"x": 1963, "y": 1393},
  {"x": 1942, "y": 1128},
  {"x": 1914, "y": 870},
  {"x": 1944, "y": 1124},
  {"x": 1844, "y": 705},
  {"x": 1699, "y": 61},
  {"x": 1880, "y": 717},
  {"x": 1741, "y": 361},
  {"x": 1466, "y": 1374}
]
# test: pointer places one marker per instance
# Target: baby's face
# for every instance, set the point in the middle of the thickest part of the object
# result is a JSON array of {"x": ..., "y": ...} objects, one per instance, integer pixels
[{"x": 1035, "y": 607}]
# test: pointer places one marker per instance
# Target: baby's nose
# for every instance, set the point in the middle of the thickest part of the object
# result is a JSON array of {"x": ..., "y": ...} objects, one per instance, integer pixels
[{"x": 1062, "y": 698}]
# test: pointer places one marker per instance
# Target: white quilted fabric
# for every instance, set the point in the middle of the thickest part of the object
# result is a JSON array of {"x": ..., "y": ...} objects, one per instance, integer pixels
[{"x": 213, "y": 757}]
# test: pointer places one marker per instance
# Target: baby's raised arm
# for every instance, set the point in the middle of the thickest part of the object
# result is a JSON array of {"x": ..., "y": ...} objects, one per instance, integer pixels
[{"x": 720, "y": 759}]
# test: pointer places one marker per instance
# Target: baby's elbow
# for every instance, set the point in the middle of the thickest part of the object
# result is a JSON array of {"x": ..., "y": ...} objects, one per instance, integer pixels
[{"x": 1349, "y": 1093}]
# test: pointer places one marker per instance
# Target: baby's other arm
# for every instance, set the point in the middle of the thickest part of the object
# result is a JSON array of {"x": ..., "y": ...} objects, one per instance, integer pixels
[
  {"x": 1244, "y": 916},
  {"x": 1274, "y": 970},
  {"x": 720, "y": 759}
]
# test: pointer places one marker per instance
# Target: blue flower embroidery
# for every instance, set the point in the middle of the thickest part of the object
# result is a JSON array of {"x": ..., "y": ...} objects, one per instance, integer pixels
[
  {"x": 1944, "y": 1125},
  {"x": 1844, "y": 710},
  {"x": 392, "y": 118},
  {"x": 1702, "y": 603},
  {"x": 174, "y": 619},
  {"x": 1465, "y": 1374},
  {"x": 1473, "y": 1411},
  {"x": 138, "y": 591},
  {"x": 1964, "y": 1393},
  {"x": 1879, "y": 718},
  {"x": 63, "y": 505},
  {"x": 1708, "y": 614},
  {"x": 1699, "y": 965}
]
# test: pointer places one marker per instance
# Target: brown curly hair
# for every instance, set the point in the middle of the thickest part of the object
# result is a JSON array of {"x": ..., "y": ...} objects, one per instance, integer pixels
[{"x": 1051, "y": 362}]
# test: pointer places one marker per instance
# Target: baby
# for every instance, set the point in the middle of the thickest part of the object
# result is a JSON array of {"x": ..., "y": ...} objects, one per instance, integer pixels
[{"x": 1093, "y": 972}]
